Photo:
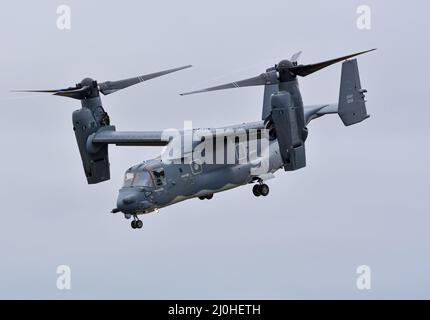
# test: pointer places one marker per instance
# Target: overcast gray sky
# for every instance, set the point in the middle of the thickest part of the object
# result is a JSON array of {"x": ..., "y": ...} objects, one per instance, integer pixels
[{"x": 362, "y": 200}]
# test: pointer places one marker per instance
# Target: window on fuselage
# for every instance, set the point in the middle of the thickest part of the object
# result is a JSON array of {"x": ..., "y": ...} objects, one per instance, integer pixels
[{"x": 159, "y": 177}]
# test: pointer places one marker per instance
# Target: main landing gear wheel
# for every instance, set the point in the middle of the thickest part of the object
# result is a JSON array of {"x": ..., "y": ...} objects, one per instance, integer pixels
[
  {"x": 137, "y": 224},
  {"x": 264, "y": 190},
  {"x": 256, "y": 190},
  {"x": 260, "y": 190}
]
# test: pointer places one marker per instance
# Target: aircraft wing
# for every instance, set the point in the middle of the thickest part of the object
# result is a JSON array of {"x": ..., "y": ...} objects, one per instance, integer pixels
[
  {"x": 109, "y": 135},
  {"x": 258, "y": 125},
  {"x": 130, "y": 138},
  {"x": 156, "y": 138}
]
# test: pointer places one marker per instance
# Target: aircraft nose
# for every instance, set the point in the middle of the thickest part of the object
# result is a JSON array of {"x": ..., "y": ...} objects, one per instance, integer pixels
[
  {"x": 126, "y": 200},
  {"x": 130, "y": 201}
]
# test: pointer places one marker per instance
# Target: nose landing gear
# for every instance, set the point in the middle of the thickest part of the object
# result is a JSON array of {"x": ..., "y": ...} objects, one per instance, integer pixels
[
  {"x": 260, "y": 189},
  {"x": 136, "y": 223}
]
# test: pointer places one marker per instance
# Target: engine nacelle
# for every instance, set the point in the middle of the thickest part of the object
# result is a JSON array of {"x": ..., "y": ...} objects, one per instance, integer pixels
[
  {"x": 86, "y": 121},
  {"x": 290, "y": 132}
]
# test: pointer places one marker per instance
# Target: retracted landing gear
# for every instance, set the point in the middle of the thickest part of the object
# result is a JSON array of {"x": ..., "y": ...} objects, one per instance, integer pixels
[
  {"x": 260, "y": 189},
  {"x": 136, "y": 223},
  {"x": 207, "y": 197}
]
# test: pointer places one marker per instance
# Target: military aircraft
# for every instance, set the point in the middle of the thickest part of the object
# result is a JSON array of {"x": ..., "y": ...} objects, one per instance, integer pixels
[{"x": 197, "y": 163}]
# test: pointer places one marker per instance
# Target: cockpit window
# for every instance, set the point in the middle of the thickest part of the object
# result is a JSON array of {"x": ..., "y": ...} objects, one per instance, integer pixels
[
  {"x": 138, "y": 179},
  {"x": 142, "y": 179},
  {"x": 128, "y": 179}
]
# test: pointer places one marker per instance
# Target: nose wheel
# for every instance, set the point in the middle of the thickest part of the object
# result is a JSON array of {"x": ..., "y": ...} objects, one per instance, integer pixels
[
  {"x": 137, "y": 223},
  {"x": 260, "y": 189}
]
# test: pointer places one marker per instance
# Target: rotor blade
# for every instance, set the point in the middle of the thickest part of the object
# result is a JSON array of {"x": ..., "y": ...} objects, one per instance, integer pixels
[
  {"x": 40, "y": 91},
  {"x": 72, "y": 92},
  {"x": 109, "y": 87},
  {"x": 305, "y": 70},
  {"x": 296, "y": 57},
  {"x": 78, "y": 93},
  {"x": 261, "y": 80}
]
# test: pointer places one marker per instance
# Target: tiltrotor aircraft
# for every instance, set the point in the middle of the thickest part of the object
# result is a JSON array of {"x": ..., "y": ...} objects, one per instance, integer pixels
[{"x": 178, "y": 174}]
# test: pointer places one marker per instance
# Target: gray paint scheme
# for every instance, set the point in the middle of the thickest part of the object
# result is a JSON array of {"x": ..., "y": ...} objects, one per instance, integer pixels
[
  {"x": 156, "y": 184},
  {"x": 287, "y": 151}
]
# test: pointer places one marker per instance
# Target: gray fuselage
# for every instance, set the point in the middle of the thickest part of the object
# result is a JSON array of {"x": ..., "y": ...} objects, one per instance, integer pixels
[{"x": 155, "y": 184}]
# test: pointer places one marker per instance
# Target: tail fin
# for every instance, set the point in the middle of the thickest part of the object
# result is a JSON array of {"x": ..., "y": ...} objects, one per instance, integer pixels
[{"x": 352, "y": 105}]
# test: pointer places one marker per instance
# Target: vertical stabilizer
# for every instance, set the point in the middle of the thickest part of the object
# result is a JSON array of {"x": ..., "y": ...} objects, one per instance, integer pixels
[{"x": 352, "y": 103}]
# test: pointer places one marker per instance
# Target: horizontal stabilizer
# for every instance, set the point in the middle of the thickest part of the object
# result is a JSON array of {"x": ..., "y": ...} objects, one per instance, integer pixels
[{"x": 319, "y": 110}]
